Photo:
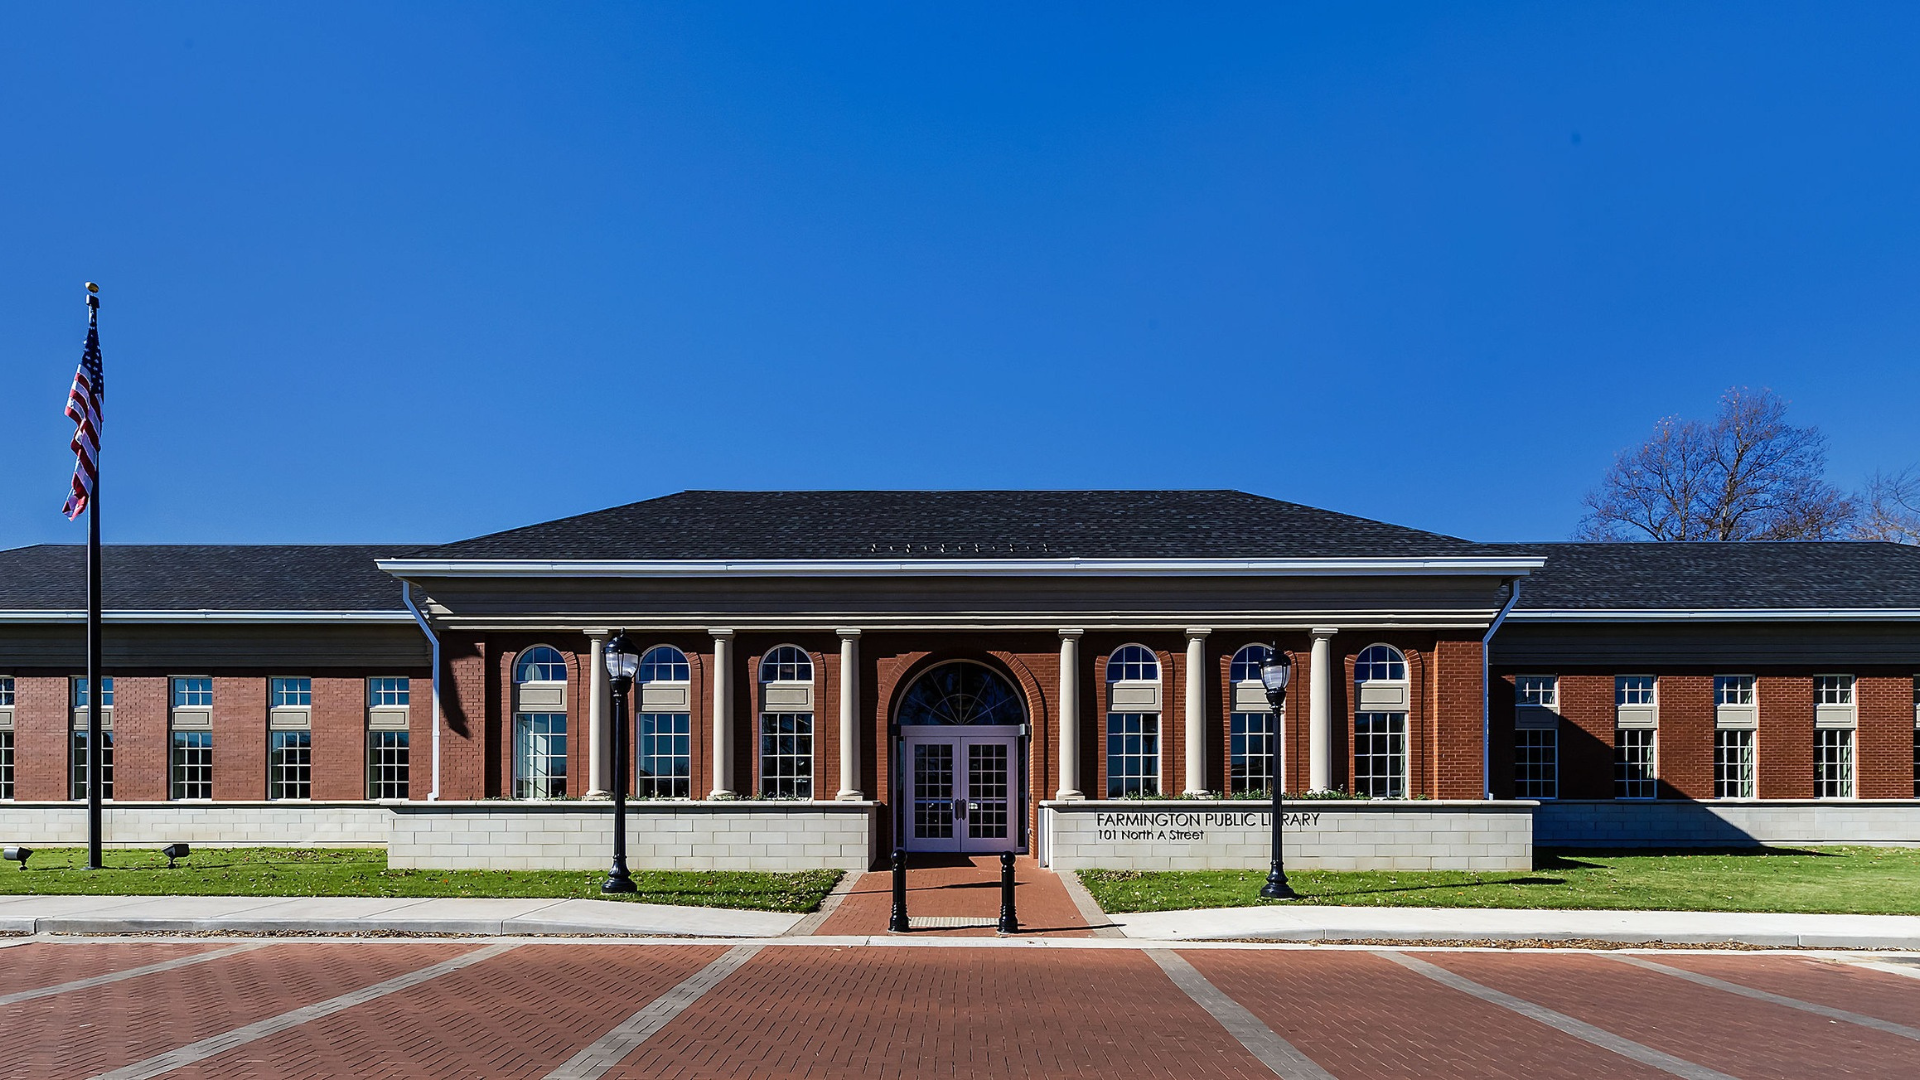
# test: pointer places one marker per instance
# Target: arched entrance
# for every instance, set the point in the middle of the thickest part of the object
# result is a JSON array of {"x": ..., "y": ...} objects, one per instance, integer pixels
[{"x": 962, "y": 763}]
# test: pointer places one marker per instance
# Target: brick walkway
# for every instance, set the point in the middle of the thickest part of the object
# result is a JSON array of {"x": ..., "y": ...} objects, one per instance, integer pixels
[
  {"x": 959, "y": 885},
  {"x": 1094, "y": 1009}
]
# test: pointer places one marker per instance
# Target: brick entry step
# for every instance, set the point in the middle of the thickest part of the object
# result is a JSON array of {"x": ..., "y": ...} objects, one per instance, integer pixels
[{"x": 959, "y": 896}]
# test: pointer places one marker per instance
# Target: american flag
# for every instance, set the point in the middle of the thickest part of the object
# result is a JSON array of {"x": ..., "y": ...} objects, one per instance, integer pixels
[{"x": 83, "y": 407}]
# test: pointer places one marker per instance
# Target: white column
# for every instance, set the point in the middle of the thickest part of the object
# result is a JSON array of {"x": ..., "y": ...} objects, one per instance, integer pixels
[
  {"x": 722, "y": 715},
  {"x": 1069, "y": 716},
  {"x": 1320, "y": 713},
  {"x": 849, "y": 717},
  {"x": 599, "y": 721},
  {"x": 1195, "y": 711}
]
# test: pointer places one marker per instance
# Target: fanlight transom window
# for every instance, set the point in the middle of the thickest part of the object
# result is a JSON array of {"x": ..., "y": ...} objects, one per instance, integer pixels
[
  {"x": 788, "y": 663},
  {"x": 540, "y": 664},
  {"x": 1132, "y": 663},
  {"x": 1380, "y": 663},
  {"x": 664, "y": 663},
  {"x": 963, "y": 694},
  {"x": 1248, "y": 662}
]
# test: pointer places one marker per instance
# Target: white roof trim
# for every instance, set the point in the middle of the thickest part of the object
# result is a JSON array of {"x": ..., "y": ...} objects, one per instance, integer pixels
[
  {"x": 1631, "y": 615},
  {"x": 663, "y": 568},
  {"x": 207, "y": 615}
]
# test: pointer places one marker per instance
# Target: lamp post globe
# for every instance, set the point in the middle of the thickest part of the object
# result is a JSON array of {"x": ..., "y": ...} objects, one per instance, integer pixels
[
  {"x": 1275, "y": 672},
  {"x": 622, "y": 661}
]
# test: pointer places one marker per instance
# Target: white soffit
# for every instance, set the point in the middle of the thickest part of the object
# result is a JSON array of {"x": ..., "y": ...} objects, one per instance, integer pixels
[
  {"x": 1631, "y": 615},
  {"x": 719, "y": 568}
]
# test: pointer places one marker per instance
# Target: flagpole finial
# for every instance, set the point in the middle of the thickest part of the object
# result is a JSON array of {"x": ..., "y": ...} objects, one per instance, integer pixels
[{"x": 92, "y": 288}]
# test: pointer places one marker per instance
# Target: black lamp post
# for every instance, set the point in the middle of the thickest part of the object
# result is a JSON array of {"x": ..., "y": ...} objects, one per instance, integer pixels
[
  {"x": 622, "y": 662},
  {"x": 1274, "y": 673}
]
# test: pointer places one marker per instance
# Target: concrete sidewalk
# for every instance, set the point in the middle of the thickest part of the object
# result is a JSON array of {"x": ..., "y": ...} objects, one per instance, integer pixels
[
  {"x": 1324, "y": 923},
  {"x": 363, "y": 915}
]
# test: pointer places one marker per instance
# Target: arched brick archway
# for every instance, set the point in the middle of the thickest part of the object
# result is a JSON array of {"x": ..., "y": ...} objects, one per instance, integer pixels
[{"x": 961, "y": 730}]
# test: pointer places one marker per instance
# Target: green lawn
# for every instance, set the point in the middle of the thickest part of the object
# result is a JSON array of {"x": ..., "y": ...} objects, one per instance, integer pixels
[
  {"x": 364, "y": 872},
  {"x": 1880, "y": 881}
]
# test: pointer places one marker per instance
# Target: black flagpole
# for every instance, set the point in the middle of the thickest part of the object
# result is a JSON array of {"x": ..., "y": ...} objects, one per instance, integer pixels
[{"x": 94, "y": 756}]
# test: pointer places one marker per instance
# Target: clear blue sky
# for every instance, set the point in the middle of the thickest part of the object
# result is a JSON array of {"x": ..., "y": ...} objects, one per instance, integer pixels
[{"x": 415, "y": 272}]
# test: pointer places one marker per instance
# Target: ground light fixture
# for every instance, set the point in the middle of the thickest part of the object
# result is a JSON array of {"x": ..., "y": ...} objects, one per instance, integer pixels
[
  {"x": 174, "y": 851},
  {"x": 18, "y": 854},
  {"x": 622, "y": 661},
  {"x": 1275, "y": 671}
]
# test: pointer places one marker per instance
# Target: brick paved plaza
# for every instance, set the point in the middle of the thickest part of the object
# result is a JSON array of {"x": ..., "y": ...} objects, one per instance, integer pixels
[{"x": 935, "y": 1006}]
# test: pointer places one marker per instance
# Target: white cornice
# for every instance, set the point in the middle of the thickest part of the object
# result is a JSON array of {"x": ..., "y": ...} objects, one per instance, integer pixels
[
  {"x": 1500, "y": 566},
  {"x": 209, "y": 616},
  {"x": 1646, "y": 615}
]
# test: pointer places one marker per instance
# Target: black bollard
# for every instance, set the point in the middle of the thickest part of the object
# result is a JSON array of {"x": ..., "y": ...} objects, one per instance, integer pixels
[
  {"x": 898, "y": 923},
  {"x": 1009, "y": 922}
]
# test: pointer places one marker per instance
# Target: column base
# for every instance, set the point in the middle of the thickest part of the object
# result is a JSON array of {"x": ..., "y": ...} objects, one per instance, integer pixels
[
  {"x": 722, "y": 793},
  {"x": 1070, "y": 795},
  {"x": 599, "y": 794},
  {"x": 1195, "y": 793},
  {"x": 850, "y": 796}
]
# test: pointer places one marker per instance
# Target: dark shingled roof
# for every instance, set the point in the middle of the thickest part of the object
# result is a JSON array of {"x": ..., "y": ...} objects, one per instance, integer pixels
[
  {"x": 200, "y": 577},
  {"x": 1797, "y": 574},
  {"x": 954, "y": 525}
]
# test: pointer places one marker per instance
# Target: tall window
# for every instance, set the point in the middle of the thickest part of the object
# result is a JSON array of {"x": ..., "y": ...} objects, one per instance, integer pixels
[
  {"x": 290, "y": 765},
  {"x": 1380, "y": 755},
  {"x": 786, "y": 738},
  {"x": 1633, "y": 690},
  {"x": 540, "y": 756},
  {"x": 192, "y": 764},
  {"x": 77, "y": 745},
  {"x": 663, "y": 743},
  {"x": 1633, "y": 764},
  {"x": 1133, "y": 754},
  {"x": 1833, "y": 761},
  {"x": 293, "y": 693},
  {"x": 1133, "y": 737},
  {"x": 1251, "y": 733},
  {"x": 1536, "y": 763},
  {"x": 1733, "y": 762},
  {"x": 389, "y": 765},
  {"x": 6, "y": 740},
  {"x": 540, "y": 737}
]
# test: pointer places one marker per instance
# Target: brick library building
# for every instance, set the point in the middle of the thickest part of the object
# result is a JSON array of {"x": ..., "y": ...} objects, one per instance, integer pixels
[{"x": 824, "y": 676}]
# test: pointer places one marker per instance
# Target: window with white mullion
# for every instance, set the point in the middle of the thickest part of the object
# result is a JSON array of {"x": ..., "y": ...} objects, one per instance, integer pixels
[
  {"x": 1536, "y": 763},
  {"x": 540, "y": 756},
  {"x": 290, "y": 765},
  {"x": 1250, "y": 751},
  {"x": 1133, "y": 755},
  {"x": 192, "y": 764},
  {"x": 1733, "y": 772},
  {"x": 1634, "y": 775},
  {"x": 663, "y": 756},
  {"x": 389, "y": 764},
  {"x": 1380, "y": 755},
  {"x": 1833, "y": 763},
  {"x": 786, "y": 756}
]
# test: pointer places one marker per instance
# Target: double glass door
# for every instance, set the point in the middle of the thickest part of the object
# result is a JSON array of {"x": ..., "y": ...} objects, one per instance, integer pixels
[{"x": 962, "y": 791}]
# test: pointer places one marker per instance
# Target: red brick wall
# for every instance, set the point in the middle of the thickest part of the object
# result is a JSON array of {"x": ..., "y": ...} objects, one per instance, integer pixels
[
  {"x": 1883, "y": 743},
  {"x": 339, "y": 738},
  {"x": 1586, "y": 736},
  {"x": 1783, "y": 754},
  {"x": 1685, "y": 742},
  {"x": 140, "y": 738},
  {"x": 41, "y": 714},
  {"x": 240, "y": 737},
  {"x": 1456, "y": 701}
]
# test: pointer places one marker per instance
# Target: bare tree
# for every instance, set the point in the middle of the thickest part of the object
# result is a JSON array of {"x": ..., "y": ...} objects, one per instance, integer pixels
[
  {"x": 1891, "y": 508},
  {"x": 1746, "y": 475}
]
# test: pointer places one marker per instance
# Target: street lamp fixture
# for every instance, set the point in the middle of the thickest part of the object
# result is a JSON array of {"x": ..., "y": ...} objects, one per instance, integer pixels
[
  {"x": 622, "y": 661},
  {"x": 1275, "y": 672}
]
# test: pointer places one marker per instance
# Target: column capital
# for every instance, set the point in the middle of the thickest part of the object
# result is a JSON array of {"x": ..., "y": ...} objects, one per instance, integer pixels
[
  {"x": 598, "y": 633},
  {"x": 724, "y": 633},
  {"x": 1071, "y": 633},
  {"x": 848, "y": 633},
  {"x": 1198, "y": 631},
  {"x": 1323, "y": 631}
]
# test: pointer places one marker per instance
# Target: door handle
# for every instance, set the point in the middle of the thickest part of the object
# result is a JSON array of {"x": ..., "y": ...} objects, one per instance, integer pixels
[{"x": 960, "y": 808}]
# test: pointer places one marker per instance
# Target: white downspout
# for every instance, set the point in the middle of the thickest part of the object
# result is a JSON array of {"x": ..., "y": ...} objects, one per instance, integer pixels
[
  {"x": 1486, "y": 691},
  {"x": 406, "y": 596}
]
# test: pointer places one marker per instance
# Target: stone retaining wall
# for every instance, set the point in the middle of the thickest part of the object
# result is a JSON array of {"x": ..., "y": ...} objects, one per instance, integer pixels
[
  {"x": 1188, "y": 834},
  {"x": 733, "y": 835},
  {"x": 1608, "y": 823},
  {"x": 222, "y": 824}
]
